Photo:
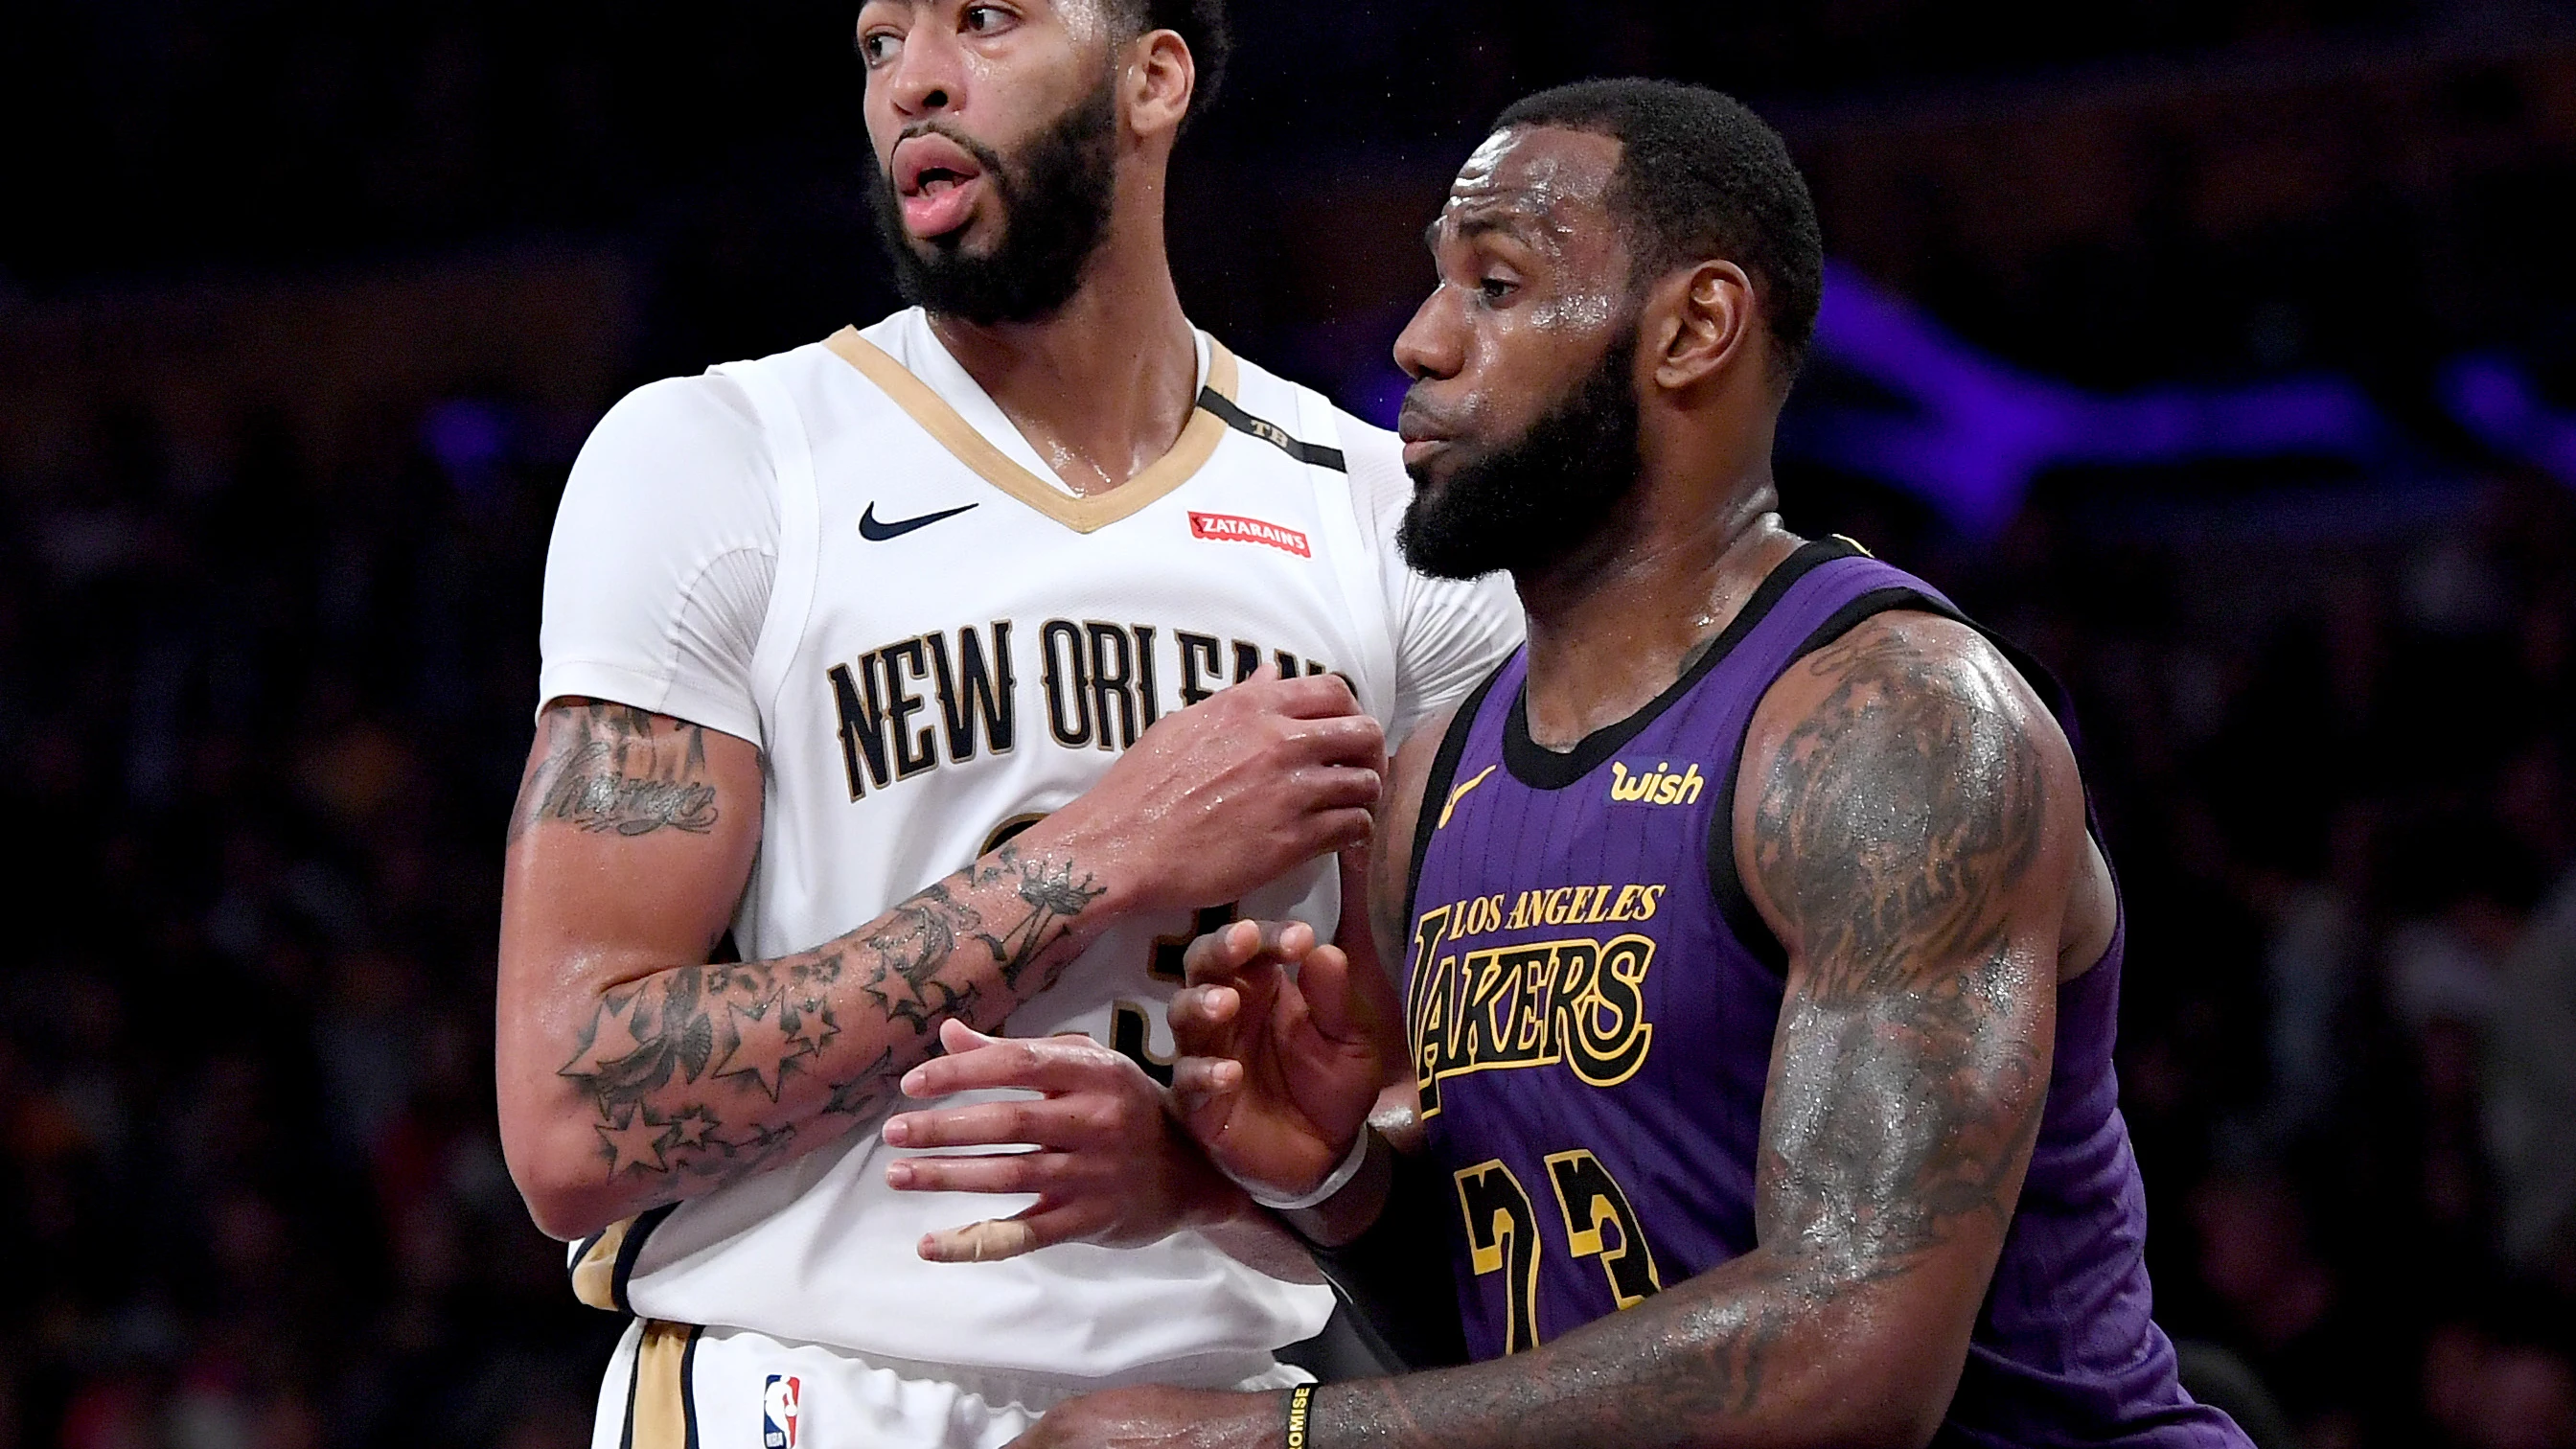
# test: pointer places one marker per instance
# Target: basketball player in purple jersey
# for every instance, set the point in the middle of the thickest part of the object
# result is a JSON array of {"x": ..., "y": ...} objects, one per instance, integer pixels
[{"x": 1760, "y": 964}]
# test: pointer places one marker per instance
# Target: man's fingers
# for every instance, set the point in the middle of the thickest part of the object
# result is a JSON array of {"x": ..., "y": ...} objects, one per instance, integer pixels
[
  {"x": 1047, "y": 1064},
  {"x": 956, "y": 1036},
  {"x": 1325, "y": 978},
  {"x": 1308, "y": 696},
  {"x": 1341, "y": 739},
  {"x": 1332, "y": 831},
  {"x": 1200, "y": 1014},
  {"x": 1200, "y": 1082},
  {"x": 1287, "y": 940},
  {"x": 1221, "y": 952},
  {"x": 993, "y": 1172},
  {"x": 990, "y": 1241},
  {"x": 1336, "y": 787},
  {"x": 1229, "y": 955},
  {"x": 1052, "y": 1123}
]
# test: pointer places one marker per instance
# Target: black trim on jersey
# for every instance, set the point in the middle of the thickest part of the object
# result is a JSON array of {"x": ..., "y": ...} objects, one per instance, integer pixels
[
  {"x": 1313, "y": 455},
  {"x": 634, "y": 1383},
  {"x": 581, "y": 1250},
  {"x": 633, "y": 1248},
  {"x": 1725, "y": 882},
  {"x": 689, "y": 1389},
  {"x": 1541, "y": 768},
  {"x": 1444, "y": 770}
]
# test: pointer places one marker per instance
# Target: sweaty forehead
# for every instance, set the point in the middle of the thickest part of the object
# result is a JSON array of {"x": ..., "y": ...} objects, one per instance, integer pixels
[{"x": 1536, "y": 181}]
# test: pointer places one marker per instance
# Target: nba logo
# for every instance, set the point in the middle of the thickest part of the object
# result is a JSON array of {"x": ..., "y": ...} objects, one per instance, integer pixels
[{"x": 778, "y": 1412}]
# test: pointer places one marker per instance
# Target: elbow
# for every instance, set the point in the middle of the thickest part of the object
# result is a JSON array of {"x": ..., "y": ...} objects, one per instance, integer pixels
[
  {"x": 1887, "y": 1385},
  {"x": 557, "y": 1174},
  {"x": 1898, "y": 1402},
  {"x": 1905, "y": 1420},
  {"x": 1863, "y": 1413}
]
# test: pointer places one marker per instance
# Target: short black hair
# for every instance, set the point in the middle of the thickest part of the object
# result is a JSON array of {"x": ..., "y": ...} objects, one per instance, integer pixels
[
  {"x": 1201, "y": 25},
  {"x": 1701, "y": 176}
]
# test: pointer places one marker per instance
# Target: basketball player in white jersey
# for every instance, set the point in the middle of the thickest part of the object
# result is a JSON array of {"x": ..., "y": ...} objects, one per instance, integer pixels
[{"x": 951, "y": 674}]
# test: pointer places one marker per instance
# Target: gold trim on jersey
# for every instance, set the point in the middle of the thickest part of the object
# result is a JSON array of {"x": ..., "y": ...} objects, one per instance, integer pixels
[
  {"x": 1196, "y": 444},
  {"x": 659, "y": 1413},
  {"x": 594, "y": 1278}
]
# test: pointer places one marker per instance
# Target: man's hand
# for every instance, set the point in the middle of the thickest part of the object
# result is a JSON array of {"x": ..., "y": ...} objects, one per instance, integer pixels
[
  {"x": 1109, "y": 1164},
  {"x": 1229, "y": 794},
  {"x": 1275, "y": 1075},
  {"x": 1156, "y": 1417}
]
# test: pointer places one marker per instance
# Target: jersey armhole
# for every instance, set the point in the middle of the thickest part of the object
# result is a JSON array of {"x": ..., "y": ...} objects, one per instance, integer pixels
[
  {"x": 1444, "y": 768},
  {"x": 1726, "y": 883}
]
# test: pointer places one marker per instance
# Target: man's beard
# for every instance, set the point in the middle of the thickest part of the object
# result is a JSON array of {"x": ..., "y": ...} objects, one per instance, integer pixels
[
  {"x": 1534, "y": 501},
  {"x": 1056, "y": 196}
]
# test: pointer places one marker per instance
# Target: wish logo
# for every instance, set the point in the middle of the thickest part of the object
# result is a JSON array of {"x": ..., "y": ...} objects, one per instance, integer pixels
[
  {"x": 1659, "y": 786},
  {"x": 779, "y": 1404}
]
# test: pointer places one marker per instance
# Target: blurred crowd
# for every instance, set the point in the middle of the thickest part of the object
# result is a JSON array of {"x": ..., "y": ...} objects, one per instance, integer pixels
[
  {"x": 264, "y": 701},
  {"x": 263, "y": 726}
]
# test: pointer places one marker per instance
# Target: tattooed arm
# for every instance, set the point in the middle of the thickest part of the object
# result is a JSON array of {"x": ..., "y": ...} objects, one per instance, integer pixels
[
  {"x": 1910, "y": 823},
  {"x": 632, "y": 1074}
]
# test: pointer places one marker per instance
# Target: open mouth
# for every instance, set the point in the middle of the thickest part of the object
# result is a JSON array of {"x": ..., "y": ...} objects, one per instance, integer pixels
[{"x": 938, "y": 181}]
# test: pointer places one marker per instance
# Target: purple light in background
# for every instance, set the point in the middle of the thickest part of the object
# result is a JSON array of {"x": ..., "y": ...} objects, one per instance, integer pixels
[
  {"x": 1379, "y": 397},
  {"x": 1979, "y": 431},
  {"x": 469, "y": 438},
  {"x": 464, "y": 435},
  {"x": 2495, "y": 401}
]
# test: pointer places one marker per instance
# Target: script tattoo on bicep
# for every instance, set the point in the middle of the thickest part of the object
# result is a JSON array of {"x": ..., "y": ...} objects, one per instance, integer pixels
[
  {"x": 690, "y": 1071},
  {"x": 615, "y": 769}
]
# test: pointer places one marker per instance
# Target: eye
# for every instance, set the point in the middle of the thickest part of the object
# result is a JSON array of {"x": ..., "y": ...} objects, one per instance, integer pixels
[
  {"x": 985, "y": 19},
  {"x": 1497, "y": 289},
  {"x": 878, "y": 47}
]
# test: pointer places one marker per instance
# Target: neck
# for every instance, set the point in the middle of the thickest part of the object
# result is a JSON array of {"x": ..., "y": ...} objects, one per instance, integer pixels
[
  {"x": 1103, "y": 386},
  {"x": 1614, "y": 624}
]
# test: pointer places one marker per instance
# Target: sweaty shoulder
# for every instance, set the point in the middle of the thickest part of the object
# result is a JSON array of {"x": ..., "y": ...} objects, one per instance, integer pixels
[
  {"x": 665, "y": 543},
  {"x": 1450, "y": 633},
  {"x": 1904, "y": 771}
]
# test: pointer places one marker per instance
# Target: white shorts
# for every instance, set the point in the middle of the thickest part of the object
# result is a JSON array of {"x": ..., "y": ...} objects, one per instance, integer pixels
[{"x": 674, "y": 1386}]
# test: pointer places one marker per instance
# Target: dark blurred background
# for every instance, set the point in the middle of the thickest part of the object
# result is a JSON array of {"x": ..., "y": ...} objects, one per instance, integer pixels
[{"x": 2221, "y": 350}]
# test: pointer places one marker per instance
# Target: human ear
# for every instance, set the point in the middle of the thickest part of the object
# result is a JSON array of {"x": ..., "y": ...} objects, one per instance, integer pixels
[
  {"x": 1705, "y": 315},
  {"x": 1159, "y": 79}
]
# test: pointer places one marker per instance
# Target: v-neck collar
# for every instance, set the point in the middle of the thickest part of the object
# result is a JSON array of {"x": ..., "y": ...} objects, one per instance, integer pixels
[{"x": 968, "y": 444}]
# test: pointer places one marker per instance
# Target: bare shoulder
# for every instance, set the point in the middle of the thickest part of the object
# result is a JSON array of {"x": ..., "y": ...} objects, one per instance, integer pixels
[
  {"x": 1903, "y": 667},
  {"x": 1904, "y": 789}
]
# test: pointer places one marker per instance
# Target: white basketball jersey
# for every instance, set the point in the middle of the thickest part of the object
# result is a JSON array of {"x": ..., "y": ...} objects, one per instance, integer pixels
[{"x": 953, "y": 647}]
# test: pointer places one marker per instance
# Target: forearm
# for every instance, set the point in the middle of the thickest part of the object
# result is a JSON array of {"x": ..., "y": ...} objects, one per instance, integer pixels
[
  {"x": 1249, "y": 1234},
  {"x": 683, "y": 1079},
  {"x": 1759, "y": 1352},
  {"x": 1389, "y": 1251}
]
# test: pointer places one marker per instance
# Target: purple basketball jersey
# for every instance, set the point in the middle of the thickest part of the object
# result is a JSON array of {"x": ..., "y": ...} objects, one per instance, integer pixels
[{"x": 1592, "y": 1003}]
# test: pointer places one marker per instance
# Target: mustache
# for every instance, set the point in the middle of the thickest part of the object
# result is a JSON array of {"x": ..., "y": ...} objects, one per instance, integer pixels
[{"x": 1420, "y": 418}]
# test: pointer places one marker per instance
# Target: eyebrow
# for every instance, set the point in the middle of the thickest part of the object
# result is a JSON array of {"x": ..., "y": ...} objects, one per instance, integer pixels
[{"x": 1473, "y": 226}]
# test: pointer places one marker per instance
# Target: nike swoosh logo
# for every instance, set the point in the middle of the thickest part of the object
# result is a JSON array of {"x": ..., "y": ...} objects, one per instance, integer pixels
[
  {"x": 875, "y": 532},
  {"x": 1459, "y": 794}
]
